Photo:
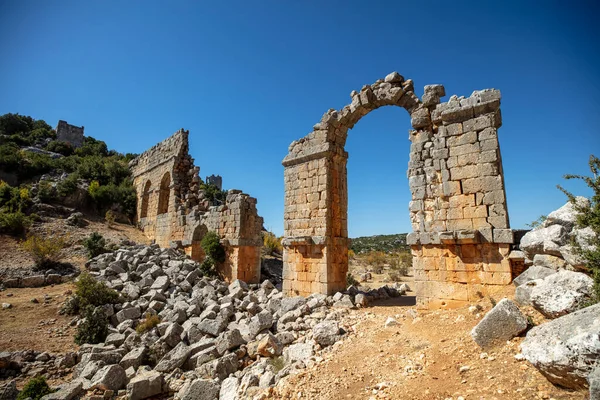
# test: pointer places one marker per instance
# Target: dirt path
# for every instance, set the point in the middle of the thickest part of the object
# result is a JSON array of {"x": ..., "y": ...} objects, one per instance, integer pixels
[
  {"x": 36, "y": 326},
  {"x": 420, "y": 358}
]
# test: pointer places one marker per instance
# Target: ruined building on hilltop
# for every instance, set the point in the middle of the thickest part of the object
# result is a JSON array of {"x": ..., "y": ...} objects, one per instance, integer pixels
[
  {"x": 173, "y": 211},
  {"x": 69, "y": 133}
]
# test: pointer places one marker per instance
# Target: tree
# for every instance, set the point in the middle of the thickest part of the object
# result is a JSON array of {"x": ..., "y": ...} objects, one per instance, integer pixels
[{"x": 589, "y": 217}]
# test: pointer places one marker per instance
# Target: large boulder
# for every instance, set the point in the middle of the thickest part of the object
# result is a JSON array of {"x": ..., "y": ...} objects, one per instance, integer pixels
[
  {"x": 567, "y": 349},
  {"x": 503, "y": 322},
  {"x": 546, "y": 240},
  {"x": 561, "y": 293}
]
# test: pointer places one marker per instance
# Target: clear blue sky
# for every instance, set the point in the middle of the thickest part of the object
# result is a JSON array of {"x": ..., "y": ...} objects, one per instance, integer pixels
[{"x": 249, "y": 77}]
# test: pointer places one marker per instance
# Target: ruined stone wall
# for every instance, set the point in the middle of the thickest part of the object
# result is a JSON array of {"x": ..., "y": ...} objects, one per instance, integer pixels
[
  {"x": 456, "y": 182},
  {"x": 69, "y": 133},
  {"x": 173, "y": 211}
]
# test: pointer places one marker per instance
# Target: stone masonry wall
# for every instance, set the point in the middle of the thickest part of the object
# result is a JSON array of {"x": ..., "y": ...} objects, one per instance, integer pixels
[
  {"x": 165, "y": 174},
  {"x": 456, "y": 182},
  {"x": 69, "y": 133}
]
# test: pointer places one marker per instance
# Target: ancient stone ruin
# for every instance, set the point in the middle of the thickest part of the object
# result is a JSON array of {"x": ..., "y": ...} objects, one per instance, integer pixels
[
  {"x": 461, "y": 237},
  {"x": 173, "y": 211},
  {"x": 69, "y": 133}
]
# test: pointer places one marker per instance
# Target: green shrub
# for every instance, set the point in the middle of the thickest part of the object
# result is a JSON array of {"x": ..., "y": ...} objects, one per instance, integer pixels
[
  {"x": 60, "y": 147},
  {"x": 67, "y": 186},
  {"x": 94, "y": 327},
  {"x": 109, "y": 217},
  {"x": 35, "y": 388},
  {"x": 93, "y": 293},
  {"x": 148, "y": 323},
  {"x": 46, "y": 251},
  {"x": 213, "y": 193},
  {"x": 589, "y": 217},
  {"x": 271, "y": 243},
  {"x": 15, "y": 223},
  {"x": 212, "y": 247},
  {"x": 208, "y": 267},
  {"x": 351, "y": 280},
  {"x": 105, "y": 197},
  {"x": 46, "y": 192},
  {"x": 95, "y": 244}
]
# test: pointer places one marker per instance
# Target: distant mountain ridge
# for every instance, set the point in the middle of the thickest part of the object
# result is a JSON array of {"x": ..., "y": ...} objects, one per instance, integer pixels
[{"x": 386, "y": 243}]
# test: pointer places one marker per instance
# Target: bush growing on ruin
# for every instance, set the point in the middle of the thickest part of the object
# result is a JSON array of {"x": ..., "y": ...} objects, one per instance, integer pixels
[
  {"x": 46, "y": 192},
  {"x": 589, "y": 217},
  {"x": 213, "y": 194},
  {"x": 149, "y": 323},
  {"x": 35, "y": 389},
  {"x": 46, "y": 251},
  {"x": 271, "y": 243},
  {"x": 93, "y": 329},
  {"x": 95, "y": 244},
  {"x": 212, "y": 247}
]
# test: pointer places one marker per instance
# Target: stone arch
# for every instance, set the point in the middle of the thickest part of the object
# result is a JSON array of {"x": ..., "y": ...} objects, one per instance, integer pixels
[
  {"x": 145, "y": 199},
  {"x": 164, "y": 193},
  {"x": 197, "y": 253},
  {"x": 455, "y": 179}
]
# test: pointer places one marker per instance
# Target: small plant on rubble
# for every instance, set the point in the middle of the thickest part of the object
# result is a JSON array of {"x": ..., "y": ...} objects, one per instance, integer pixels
[
  {"x": 94, "y": 327},
  {"x": 35, "y": 389},
  {"x": 589, "y": 217},
  {"x": 148, "y": 323}
]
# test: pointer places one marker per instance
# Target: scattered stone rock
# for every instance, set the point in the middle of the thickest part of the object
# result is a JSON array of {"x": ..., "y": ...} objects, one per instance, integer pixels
[
  {"x": 503, "y": 322},
  {"x": 326, "y": 333}
]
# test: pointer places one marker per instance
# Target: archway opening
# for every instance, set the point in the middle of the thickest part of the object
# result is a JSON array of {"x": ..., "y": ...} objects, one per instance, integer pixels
[
  {"x": 378, "y": 198},
  {"x": 164, "y": 193},
  {"x": 145, "y": 199}
]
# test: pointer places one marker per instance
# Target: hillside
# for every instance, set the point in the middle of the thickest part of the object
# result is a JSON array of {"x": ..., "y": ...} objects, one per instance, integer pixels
[{"x": 385, "y": 243}]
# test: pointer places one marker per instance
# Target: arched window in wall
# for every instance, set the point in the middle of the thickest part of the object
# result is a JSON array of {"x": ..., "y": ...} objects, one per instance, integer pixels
[
  {"x": 145, "y": 199},
  {"x": 163, "y": 196}
]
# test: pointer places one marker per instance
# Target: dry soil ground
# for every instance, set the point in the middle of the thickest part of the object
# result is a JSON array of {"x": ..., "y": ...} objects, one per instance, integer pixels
[{"x": 421, "y": 358}]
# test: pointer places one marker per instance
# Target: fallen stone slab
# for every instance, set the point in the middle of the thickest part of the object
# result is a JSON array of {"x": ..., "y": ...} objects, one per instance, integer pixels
[
  {"x": 199, "y": 389},
  {"x": 67, "y": 391},
  {"x": 567, "y": 349},
  {"x": 174, "y": 359},
  {"x": 532, "y": 273},
  {"x": 110, "y": 377},
  {"x": 501, "y": 323},
  {"x": 144, "y": 385}
]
